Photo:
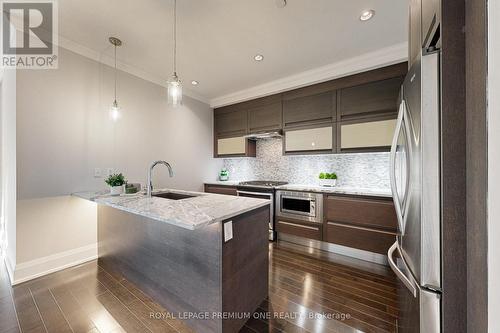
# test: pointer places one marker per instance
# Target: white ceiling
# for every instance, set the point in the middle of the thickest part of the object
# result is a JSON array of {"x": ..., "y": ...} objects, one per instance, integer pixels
[{"x": 217, "y": 39}]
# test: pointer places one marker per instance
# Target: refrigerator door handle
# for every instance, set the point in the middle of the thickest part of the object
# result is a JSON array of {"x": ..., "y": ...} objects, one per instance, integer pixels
[
  {"x": 406, "y": 281},
  {"x": 392, "y": 171}
]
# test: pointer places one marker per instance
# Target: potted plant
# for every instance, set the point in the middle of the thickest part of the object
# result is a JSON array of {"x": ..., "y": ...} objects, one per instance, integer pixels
[
  {"x": 116, "y": 183},
  {"x": 328, "y": 179}
]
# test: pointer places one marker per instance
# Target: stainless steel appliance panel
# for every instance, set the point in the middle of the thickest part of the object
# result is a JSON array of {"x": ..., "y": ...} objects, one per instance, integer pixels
[
  {"x": 300, "y": 205},
  {"x": 410, "y": 241},
  {"x": 262, "y": 195},
  {"x": 431, "y": 182}
]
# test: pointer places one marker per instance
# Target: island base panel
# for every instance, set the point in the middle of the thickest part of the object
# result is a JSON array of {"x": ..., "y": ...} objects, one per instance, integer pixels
[{"x": 190, "y": 271}]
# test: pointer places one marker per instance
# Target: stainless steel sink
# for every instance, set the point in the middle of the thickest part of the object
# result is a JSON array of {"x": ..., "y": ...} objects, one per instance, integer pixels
[{"x": 173, "y": 195}]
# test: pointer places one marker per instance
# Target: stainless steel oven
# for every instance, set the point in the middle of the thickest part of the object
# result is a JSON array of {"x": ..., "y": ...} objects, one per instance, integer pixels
[
  {"x": 262, "y": 194},
  {"x": 304, "y": 206}
]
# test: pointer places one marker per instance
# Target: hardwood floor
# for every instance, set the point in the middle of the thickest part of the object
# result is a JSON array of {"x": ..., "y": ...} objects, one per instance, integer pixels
[{"x": 309, "y": 291}]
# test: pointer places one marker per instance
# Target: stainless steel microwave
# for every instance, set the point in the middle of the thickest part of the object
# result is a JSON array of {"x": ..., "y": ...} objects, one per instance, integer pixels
[{"x": 303, "y": 206}]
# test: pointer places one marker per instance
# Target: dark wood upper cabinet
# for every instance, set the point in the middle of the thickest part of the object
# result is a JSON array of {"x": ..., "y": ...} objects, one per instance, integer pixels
[
  {"x": 369, "y": 100},
  {"x": 309, "y": 109},
  {"x": 230, "y": 121},
  {"x": 265, "y": 118}
]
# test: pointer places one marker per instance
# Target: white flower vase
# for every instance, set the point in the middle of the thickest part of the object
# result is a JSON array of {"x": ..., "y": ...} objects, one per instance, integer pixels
[
  {"x": 328, "y": 182},
  {"x": 116, "y": 190}
]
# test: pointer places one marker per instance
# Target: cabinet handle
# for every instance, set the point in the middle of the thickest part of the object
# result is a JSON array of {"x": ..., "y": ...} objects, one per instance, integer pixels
[{"x": 299, "y": 225}]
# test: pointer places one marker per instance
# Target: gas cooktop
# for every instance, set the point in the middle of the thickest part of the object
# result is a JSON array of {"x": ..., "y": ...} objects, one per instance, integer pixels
[{"x": 263, "y": 183}]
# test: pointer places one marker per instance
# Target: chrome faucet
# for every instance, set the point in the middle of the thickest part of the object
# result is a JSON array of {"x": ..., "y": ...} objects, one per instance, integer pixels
[{"x": 150, "y": 178}]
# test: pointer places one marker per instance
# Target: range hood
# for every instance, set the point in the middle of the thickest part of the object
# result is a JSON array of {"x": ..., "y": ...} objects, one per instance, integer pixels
[{"x": 264, "y": 135}]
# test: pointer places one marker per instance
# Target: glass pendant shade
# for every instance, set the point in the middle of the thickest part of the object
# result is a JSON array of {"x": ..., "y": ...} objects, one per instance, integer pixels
[
  {"x": 175, "y": 91},
  {"x": 114, "y": 111}
]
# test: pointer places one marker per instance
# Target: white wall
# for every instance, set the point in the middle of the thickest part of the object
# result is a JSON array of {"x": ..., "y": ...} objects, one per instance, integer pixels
[
  {"x": 64, "y": 132},
  {"x": 8, "y": 161},
  {"x": 493, "y": 166}
]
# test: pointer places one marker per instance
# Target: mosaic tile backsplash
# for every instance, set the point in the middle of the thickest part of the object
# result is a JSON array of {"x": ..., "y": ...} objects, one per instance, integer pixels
[{"x": 366, "y": 170}]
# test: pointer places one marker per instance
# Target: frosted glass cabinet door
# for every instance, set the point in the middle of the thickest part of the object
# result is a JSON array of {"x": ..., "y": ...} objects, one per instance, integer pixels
[
  {"x": 231, "y": 146},
  {"x": 309, "y": 139},
  {"x": 367, "y": 135}
]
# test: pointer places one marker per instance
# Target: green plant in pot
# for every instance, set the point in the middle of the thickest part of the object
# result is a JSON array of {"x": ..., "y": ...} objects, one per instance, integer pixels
[
  {"x": 327, "y": 179},
  {"x": 116, "y": 183}
]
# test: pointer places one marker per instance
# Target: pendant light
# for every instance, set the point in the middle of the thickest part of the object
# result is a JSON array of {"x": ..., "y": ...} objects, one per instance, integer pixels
[
  {"x": 174, "y": 85},
  {"x": 115, "y": 110}
]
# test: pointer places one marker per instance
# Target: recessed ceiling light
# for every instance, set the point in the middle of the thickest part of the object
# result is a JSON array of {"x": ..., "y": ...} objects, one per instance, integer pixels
[
  {"x": 194, "y": 83},
  {"x": 258, "y": 57},
  {"x": 280, "y": 3},
  {"x": 366, "y": 15}
]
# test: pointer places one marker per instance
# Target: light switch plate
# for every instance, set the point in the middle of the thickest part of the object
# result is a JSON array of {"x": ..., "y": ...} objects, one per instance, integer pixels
[
  {"x": 228, "y": 231},
  {"x": 110, "y": 171},
  {"x": 97, "y": 173}
]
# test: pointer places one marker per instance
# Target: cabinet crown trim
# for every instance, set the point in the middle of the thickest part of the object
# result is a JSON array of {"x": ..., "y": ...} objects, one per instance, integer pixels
[{"x": 381, "y": 58}]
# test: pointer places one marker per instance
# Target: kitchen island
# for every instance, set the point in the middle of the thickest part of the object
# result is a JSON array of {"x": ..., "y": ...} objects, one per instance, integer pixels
[{"x": 204, "y": 257}]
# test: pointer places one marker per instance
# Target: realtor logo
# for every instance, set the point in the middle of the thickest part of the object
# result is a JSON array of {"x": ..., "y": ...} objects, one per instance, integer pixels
[{"x": 29, "y": 34}]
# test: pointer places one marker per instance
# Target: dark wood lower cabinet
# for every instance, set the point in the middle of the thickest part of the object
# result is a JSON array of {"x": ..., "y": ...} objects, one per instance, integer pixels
[
  {"x": 362, "y": 211},
  {"x": 220, "y": 189},
  {"x": 367, "y": 239},
  {"x": 360, "y": 222},
  {"x": 300, "y": 228}
]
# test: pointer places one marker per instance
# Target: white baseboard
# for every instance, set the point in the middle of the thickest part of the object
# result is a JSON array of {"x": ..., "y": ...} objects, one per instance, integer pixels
[
  {"x": 10, "y": 268},
  {"x": 42, "y": 266}
]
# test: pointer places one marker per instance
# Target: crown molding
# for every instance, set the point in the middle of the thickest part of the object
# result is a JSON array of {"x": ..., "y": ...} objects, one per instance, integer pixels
[
  {"x": 384, "y": 57},
  {"x": 109, "y": 61}
]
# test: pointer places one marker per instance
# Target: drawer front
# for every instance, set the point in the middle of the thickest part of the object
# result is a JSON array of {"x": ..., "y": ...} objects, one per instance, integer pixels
[
  {"x": 363, "y": 212},
  {"x": 220, "y": 189},
  {"x": 312, "y": 231},
  {"x": 359, "y": 238}
]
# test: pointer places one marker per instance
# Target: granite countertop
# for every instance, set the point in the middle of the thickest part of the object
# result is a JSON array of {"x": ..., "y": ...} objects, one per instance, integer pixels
[
  {"x": 338, "y": 189},
  {"x": 376, "y": 192},
  {"x": 192, "y": 213}
]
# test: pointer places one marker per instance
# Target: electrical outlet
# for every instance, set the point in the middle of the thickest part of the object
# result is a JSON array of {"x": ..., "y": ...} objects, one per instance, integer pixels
[
  {"x": 110, "y": 171},
  {"x": 228, "y": 231},
  {"x": 97, "y": 173}
]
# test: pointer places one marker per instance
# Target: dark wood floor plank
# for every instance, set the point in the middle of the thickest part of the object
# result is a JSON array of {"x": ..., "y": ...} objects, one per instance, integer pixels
[
  {"x": 305, "y": 286},
  {"x": 334, "y": 299},
  {"x": 27, "y": 312},
  {"x": 177, "y": 324},
  {"x": 77, "y": 318},
  {"x": 277, "y": 321},
  {"x": 329, "y": 268},
  {"x": 277, "y": 304},
  {"x": 52, "y": 316},
  {"x": 8, "y": 317},
  {"x": 146, "y": 316},
  {"x": 127, "y": 320},
  {"x": 93, "y": 308},
  {"x": 326, "y": 305},
  {"x": 280, "y": 277},
  {"x": 342, "y": 277},
  {"x": 351, "y": 319},
  {"x": 382, "y": 296},
  {"x": 333, "y": 258},
  {"x": 122, "y": 293}
]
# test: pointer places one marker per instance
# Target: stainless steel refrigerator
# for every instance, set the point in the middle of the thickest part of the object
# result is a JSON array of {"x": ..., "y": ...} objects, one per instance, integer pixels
[{"x": 415, "y": 257}]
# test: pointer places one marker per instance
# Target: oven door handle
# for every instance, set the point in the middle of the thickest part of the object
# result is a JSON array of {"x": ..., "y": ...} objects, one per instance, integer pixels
[{"x": 270, "y": 195}]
